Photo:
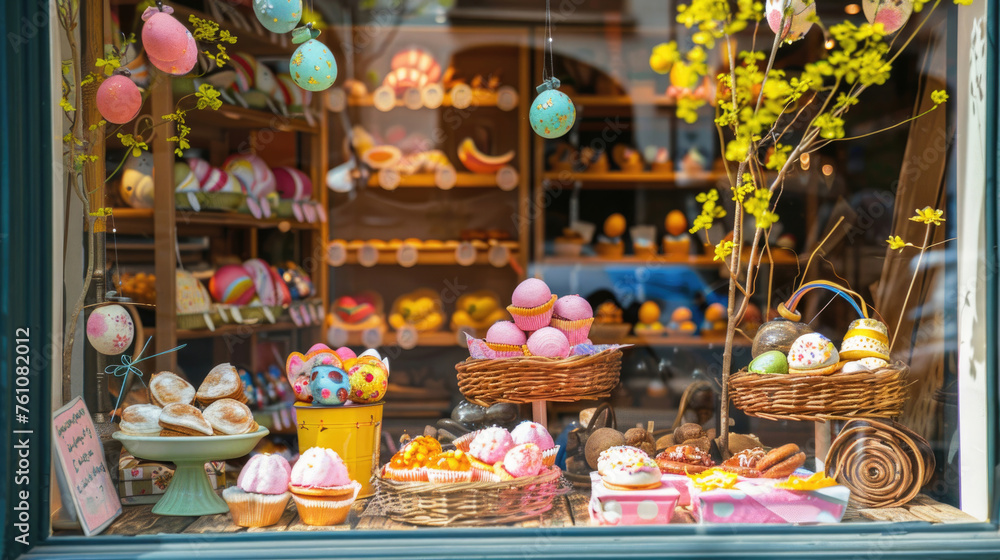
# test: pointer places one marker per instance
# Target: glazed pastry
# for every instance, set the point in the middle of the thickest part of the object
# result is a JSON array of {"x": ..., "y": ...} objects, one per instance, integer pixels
[
  {"x": 780, "y": 462},
  {"x": 865, "y": 338},
  {"x": 167, "y": 388},
  {"x": 628, "y": 468},
  {"x": 684, "y": 459},
  {"x": 230, "y": 417},
  {"x": 813, "y": 354},
  {"x": 178, "y": 420},
  {"x": 223, "y": 382},
  {"x": 141, "y": 420},
  {"x": 261, "y": 492},
  {"x": 449, "y": 466}
]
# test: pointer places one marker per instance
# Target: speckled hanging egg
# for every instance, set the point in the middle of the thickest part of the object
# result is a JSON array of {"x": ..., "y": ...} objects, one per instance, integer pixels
[
  {"x": 797, "y": 25},
  {"x": 110, "y": 329},
  {"x": 278, "y": 16},
  {"x": 118, "y": 99},
  {"x": 892, "y": 14},
  {"x": 164, "y": 38},
  {"x": 313, "y": 67},
  {"x": 552, "y": 113}
]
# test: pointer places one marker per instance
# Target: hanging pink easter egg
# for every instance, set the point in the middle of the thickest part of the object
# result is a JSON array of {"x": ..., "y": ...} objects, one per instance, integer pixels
[
  {"x": 892, "y": 14},
  {"x": 110, "y": 329},
  {"x": 164, "y": 38},
  {"x": 797, "y": 24},
  {"x": 118, "y": 99},
  {"x": 182, "y": 65}
]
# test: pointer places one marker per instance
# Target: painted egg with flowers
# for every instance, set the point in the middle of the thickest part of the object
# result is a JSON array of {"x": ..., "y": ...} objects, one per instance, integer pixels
[
  {"x": 798, "y": 23},
  {"x": 892, "y": 14},
  {"x": 278, "y": 16},
  {"x": 552, "y": 114},
  {"x": 110, "y": 329},
  {"x": 313, "y": 67}
]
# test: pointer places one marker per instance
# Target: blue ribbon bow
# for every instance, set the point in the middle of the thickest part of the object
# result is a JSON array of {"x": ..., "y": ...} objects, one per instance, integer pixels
[{"x": 128, "y": 366}]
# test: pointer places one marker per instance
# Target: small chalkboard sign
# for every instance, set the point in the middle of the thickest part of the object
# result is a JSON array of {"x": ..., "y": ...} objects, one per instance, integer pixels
[{"x": 80, "y": 462}]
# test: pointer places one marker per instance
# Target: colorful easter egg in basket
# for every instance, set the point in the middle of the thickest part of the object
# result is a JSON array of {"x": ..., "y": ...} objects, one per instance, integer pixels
[{"x": 329, "y": 385}]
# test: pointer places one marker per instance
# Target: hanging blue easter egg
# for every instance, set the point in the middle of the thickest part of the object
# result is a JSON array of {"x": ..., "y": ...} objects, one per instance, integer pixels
[
  {"x": 278, "y": 16},
  {"x": 329, "y": 385},
  {"x": 552, "y": 113},
  {"x": 313, "y": 67}
]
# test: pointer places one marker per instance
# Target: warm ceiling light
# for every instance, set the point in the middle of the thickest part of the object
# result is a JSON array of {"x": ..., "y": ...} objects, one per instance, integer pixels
[
  {"x": 828, "y": 170},
  {"x": 852, "y": 9},
  {"x": 829, "y": 44},
  {"x": 804, "y": 162}
]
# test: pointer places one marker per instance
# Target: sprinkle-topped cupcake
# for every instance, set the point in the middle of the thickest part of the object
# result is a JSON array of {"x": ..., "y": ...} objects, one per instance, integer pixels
[
  {"x": 531, "y": 305},
  {"x": 573, "y": 315},
  {"x": 628, "y": 468}
]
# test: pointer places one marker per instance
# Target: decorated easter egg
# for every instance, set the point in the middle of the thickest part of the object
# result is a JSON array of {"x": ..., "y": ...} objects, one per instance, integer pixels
[
  {"x": 552, "y": 114},
  {"x": 369, "y": 379},
  {"x": 298, "y": 282},
  {"x": 278, "y": 16},
  {"x": 118, "y": 99},
  {"x": 232, "y": 284},
  {"x": 812, "y": 352},
  {"x": 263, "y": 282},
  {"x": 110, "y": 329},
  {"x": 200, "y": 168},
  {"x": 184, "y": 64},
  {"x": 190, "y": 294},
  {"x": 256, "y": 177},
  {"x": 892, "y": 14},
  {"x": 137, "y": 181},
  {"x": 313, "y": 67},
  {"x": 292, "y": 184},
  {"x": 164, "y": 38},
  {"x": 300, "y": 386},
  {"x": 329, "y": 385},
  {"x": 772, "y": 361},
  {"x": 245, "y": 67},
  {"x": 797, "y": 24},
  {"x": 184, "y": 179},
  {"x": 295, "y": 97},
  {"x": 265, "y": 80}
]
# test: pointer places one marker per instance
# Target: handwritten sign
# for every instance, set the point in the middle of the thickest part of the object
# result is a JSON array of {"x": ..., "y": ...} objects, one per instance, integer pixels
[{"x": 81, "y": 464}]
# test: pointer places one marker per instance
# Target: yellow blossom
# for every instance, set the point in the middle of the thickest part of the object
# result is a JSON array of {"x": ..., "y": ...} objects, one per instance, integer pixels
[
  {"x": 723, "y": 250},
  {"x": 929, "y": 216},
  {"x": 896, "y": 243}
]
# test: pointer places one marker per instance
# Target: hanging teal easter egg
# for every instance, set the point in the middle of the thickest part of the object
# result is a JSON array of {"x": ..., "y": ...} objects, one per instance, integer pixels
[
  {"x": 552, "y": 113},
  {"x": 313, "y": 67},
  {"x": 278, "y": 16}
]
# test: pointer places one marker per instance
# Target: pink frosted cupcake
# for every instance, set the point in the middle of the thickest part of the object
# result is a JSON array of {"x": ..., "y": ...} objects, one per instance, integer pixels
[
  {"x": 548, "y": 342},
  {"x": 487, "y": 448},
  {"x": 321, "y": 487},
  {"x": 505, "y": 339},
  {"x": 522, "y": 460},
  {"x": 533, "y": 432},
  {"x": 261, "y": 492},
  {"x": 573, "y": 315},
  {"x": 531, "y": 305}
]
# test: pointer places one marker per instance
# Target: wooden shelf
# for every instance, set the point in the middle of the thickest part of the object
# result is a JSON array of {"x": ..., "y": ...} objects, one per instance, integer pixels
[
  {"x": 683, "y": 341},
  {"x": 781, "y": 258},
  {"x": 588, "y": 100},
  {"x": 234, "y": 116},
  {"x": 254, "y": 40},
  {"x": 435, "y": 339},
  {"x": 140, "y": 220},
  {"x": 481, "y": 99},
  {"x": 623, "y": 180},
  {"x": 244, "y": 330},
  {"x": 434, "y": 256},
  {"x": 427, "y": 180}
]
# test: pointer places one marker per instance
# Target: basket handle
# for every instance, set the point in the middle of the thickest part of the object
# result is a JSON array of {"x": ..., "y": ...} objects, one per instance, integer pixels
[
  {"x": 597, "y": 413},
  {"x": 787, "y": 309}
]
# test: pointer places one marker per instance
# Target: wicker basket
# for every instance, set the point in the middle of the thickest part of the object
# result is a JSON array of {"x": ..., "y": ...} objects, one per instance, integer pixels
[
  {"x": 225, "y": 201},
  {"x": 531, "y": 378},
  {"x": 196, "y": 321},
  {"x": 468, "y": 503},
  {"x": 255, "y": 313},
  {"x": 818, "y": 398}
]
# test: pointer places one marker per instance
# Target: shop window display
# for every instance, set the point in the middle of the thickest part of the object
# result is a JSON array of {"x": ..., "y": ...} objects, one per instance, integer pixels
[{"x": 689, "y": 273}]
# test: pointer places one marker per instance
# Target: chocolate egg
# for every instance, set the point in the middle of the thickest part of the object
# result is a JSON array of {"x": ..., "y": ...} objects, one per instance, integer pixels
[
  {"x": 552, "y": 114},
  {"x": 110, "y": 329},
  {"x": 778, "y": 334},
  {"x": 329, "y": 385}
]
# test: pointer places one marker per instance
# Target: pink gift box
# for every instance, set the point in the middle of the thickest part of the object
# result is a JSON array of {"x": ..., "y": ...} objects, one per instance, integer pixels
[
  {"x": 760, "y": 502},
  {"x": 682, "y": 484},
  {"x": 635, "y": 507}
]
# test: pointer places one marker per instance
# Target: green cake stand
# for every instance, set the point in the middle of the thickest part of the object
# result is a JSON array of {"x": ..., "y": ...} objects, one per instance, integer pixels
[{"x": 190, "y": 492}]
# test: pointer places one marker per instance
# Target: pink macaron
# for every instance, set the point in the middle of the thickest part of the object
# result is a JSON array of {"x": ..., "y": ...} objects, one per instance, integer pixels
[{"x": 548, "y": 342}]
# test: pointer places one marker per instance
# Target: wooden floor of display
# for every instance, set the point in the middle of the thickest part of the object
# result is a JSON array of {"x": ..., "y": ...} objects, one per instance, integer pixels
[{"x": 567, "y": 511}]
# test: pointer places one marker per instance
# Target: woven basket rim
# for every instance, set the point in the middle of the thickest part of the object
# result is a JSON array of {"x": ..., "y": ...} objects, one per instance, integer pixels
[
  {"x": 784, "y": 377},
  {"x": 552, "y": 474},
  {"x": 543, "y": 360}
]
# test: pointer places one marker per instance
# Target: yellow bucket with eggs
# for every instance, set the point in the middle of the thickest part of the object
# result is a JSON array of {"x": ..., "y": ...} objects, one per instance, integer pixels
[{"x": 354, "y": 432}]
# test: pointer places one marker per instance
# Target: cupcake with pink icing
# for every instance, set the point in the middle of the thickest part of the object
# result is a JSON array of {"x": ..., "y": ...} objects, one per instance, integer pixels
[
  {"x": 505, "y": 339},
  {"x": 488, "y": 447},
  {"x": 573, "y": 315},
  {"x": 533, "y": 432},
  {"x": 548, "y": 342},
  {"x": 531, "y": 305},
  {"x": 261, "y": 492},
  {"x": 321, "y": 487},
  {"x": 521, "y": 460}
]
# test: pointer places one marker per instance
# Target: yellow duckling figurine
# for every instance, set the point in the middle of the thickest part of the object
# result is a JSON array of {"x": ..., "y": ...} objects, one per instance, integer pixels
[
  {"x": 420, "y": 309},
  {"x": 477, "y": 311}
]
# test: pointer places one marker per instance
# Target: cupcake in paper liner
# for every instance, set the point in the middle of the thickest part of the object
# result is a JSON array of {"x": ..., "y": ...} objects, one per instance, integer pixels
[
  {"x": 450, "y": 466},
  {"x": 573, "y": 315},
  {"x": 418, "y": 474},
  {"x": 464, "y": 443},
  {"x": 531, "y": 305},
  {"x": 261, "y": 492},
  {"x": 533, "y": 432},
  {"x": 409, "y": 464},
  {"x": 505, "y": 339},
  {"x": 482, "y": 472},
  {"x": 325, "y": 506}
]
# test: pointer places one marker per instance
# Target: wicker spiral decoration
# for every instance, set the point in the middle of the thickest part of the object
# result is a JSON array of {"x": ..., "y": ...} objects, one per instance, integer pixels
[{"x": 883, "y": 464}]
